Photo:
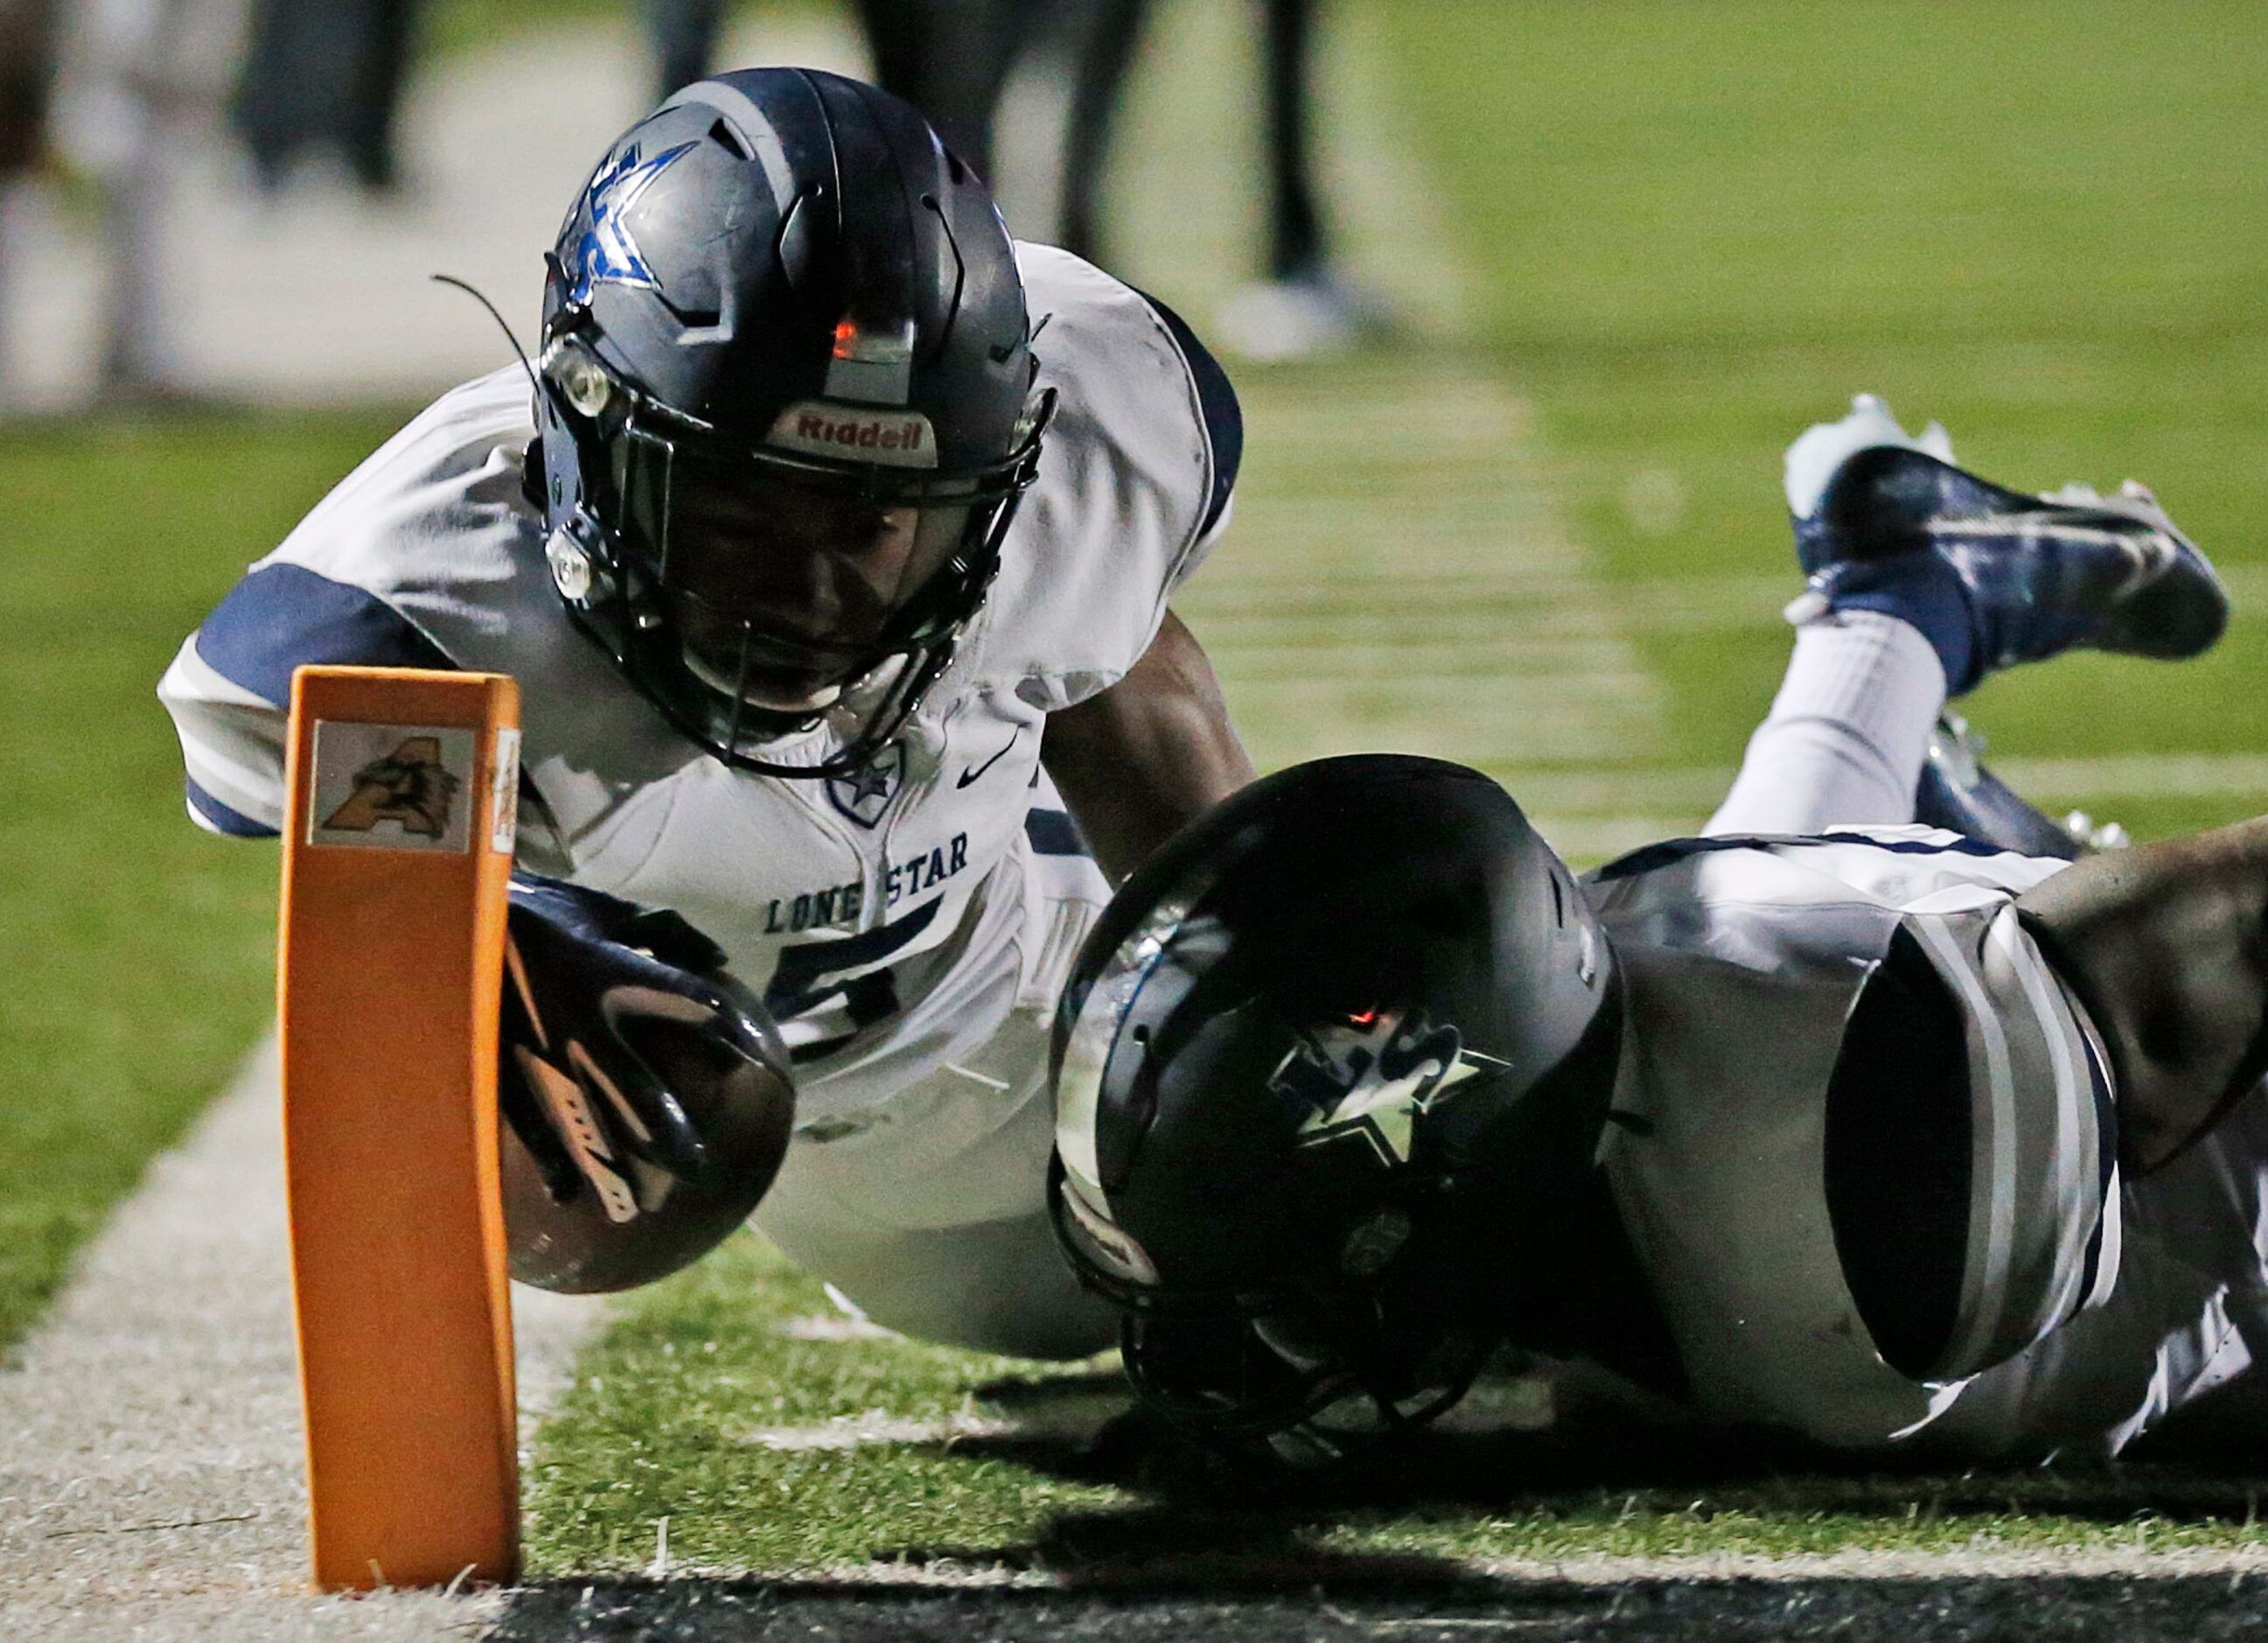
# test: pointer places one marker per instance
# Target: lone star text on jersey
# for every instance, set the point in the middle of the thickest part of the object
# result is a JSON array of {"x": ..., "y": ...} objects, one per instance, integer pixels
[{"x": 842, "y": 903}]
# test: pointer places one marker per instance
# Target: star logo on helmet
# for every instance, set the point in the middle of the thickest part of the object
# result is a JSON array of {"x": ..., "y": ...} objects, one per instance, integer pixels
[
  {"x": 1371, "y": 1077},
  {"x": 606, "y": 253}
]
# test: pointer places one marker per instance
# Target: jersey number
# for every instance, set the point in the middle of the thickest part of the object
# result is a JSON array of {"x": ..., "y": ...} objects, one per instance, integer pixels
[{"x": 815, "y": 973}]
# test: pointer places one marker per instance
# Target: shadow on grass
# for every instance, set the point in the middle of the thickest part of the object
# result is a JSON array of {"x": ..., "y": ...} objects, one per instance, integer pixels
[
  {"x": 2187, "y": 1609},
  {"x": 1196, "y": 1545},
  {"x": 2200, "y": 1473}
]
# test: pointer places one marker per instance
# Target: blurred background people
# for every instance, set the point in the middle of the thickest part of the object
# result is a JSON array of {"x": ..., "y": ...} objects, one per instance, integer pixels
[
  {"x": 950, "y": 58},
  {"x": 956, "y": 61},
  {"x": 682, "y": 36},
  {"x": 324, "y": 75},
  {"x": 1064, "y": 66},
  {"x": 150, "y": 74},
  {"x": 155, "y": 272},
  {"x": 27, "y": 72},
  {"x": 1082, "y": 54},
  {"x": 1305, "y": 306}
]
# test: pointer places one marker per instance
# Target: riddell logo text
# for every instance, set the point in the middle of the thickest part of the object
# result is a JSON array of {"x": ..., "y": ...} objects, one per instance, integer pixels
[
  {"x": 867, "y": 434},
  {"x": 893, "y": 438}
]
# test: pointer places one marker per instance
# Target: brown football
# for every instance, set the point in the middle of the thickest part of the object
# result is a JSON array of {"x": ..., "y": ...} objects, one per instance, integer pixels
[{"x": 743, "y": 1109}]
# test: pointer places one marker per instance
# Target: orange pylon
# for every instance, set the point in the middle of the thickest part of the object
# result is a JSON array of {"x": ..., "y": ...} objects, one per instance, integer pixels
[{"x": 397, "y": 853}]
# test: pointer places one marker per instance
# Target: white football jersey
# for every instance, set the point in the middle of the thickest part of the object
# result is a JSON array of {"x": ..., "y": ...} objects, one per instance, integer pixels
[
  {"x": 851, "y": 904},
  {"x": 2087, "y": 1307}
]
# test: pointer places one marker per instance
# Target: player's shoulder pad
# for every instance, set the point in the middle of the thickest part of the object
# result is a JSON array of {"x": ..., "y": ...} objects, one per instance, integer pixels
[
  {"x": 1101, "y": 315},
  {"x": 1971, "y": 1146},
  {"x": 1134, "y": 480},
  {"x": 1223, "y": 417}
]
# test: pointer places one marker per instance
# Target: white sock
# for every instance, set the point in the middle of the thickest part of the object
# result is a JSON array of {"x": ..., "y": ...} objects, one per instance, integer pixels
[{"x": 1846, "y": 736}]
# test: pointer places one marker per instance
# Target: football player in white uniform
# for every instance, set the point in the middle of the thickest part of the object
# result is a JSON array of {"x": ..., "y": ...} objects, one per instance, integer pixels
[
  {"x": 829, "y": 538},
  {"x": 1878, "y": 1133}
]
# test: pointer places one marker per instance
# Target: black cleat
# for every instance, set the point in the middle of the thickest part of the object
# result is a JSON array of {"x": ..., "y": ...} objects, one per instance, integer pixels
[
  {"x": 2038, "y": 575},
  {"x": 1958, "y": 794}
]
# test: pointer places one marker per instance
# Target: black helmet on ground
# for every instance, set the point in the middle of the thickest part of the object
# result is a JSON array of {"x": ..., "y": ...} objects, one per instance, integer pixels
[
  {"x": 787, "y": 405},
  {"x": 1321, "y": 1061}
]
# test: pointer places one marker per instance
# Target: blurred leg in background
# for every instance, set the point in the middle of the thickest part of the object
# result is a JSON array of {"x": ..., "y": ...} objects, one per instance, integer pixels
[
  {"x": 325, "y": 75},
  {"x": 1305, "y": 308},
  {"x": 136, "y": 354},
  {"x": 1103, "y": 36},
  {"x": 142, "y": 84},
  {"x": 683, "y": 34},
  {"x": 27, "y": 72},
  {"x": 949, "y": 58},
  {"x": 1295, "y": 221},
  {"x": 374, "y": 100}
]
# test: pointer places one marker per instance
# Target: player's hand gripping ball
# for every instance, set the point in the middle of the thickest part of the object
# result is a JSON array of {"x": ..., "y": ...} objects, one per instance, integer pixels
[{"x": 647, "y": 1097}]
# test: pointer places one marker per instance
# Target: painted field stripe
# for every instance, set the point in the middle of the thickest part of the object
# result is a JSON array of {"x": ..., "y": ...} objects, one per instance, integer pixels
[
  {"x": 1396, "y": 515},
  {"x": 150, "y": 1466},
  {"x": 1073, "y": 1422},
  {"x": 2143, "y": 775},
  {"x": 1670, "y": 789},
  {"x": 1522, "y": 1404},
  {"x": 1293, "y": 1572},
  {"x": 1491, "y": 656},
  {"x": 1422, "y": 599}
]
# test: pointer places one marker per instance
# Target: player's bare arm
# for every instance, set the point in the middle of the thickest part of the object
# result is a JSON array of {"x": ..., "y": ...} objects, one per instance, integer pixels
[
  {"x": 1140, "y": 759},
  {"x": 2167, "y": 945}
]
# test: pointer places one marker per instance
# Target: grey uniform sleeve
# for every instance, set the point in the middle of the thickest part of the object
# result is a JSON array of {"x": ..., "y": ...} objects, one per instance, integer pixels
[
  {"x": 230, "y": 687},
  {"x": 1971, "y": 1146},
  {"x": 1223, "y": 427}
]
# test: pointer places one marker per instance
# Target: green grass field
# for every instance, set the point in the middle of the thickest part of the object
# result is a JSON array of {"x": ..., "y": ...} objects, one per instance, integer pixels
[
  {"x": 1691, "y": 226},
  {"x": 1699, "y": 225},
  {"x": 141, "y": 950}
]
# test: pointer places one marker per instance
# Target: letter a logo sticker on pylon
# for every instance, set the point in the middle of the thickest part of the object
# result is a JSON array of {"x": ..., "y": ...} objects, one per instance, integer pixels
[{"x": 392, "y": 787}]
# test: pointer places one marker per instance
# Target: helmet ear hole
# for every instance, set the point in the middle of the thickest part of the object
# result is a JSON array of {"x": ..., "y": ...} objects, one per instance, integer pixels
[
  {"x": 1371, "y": 1247},
  {"x": 727, "y": 136}
]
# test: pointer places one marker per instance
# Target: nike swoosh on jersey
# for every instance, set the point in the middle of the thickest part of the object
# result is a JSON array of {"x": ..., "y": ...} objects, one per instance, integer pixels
[{"x": 969, "y": 776}]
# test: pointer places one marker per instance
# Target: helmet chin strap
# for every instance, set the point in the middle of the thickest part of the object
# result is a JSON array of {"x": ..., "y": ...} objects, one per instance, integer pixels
[
  {"x": 811, "y": 701},
  {"x": 875, "y": 706}
]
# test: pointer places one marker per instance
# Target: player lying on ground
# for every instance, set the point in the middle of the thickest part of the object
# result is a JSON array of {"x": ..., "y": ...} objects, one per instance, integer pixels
[
  {"x": 1826, "y": 1121},
  {"x": 831, "y": 552}
]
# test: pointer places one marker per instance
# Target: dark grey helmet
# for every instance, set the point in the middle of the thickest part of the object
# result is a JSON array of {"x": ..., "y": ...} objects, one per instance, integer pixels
[
  {"x": 1321, "y": 1059},
  {"x": 780, "y": 315}
]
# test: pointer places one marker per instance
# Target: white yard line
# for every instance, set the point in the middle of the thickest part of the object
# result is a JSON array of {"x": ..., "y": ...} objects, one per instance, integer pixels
[
  {"x": 1294, "y": 1570},
  {"x": 1669, "y": 789},
  {"x": 1072, "y": 1421},
  {"x": 149, "y": 1435}
]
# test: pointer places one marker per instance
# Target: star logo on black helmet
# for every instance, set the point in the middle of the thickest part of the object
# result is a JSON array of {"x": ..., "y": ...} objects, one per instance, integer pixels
[
  {"x": 606, "y": 253},
  {"x": 1372, "y": 1076}
]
